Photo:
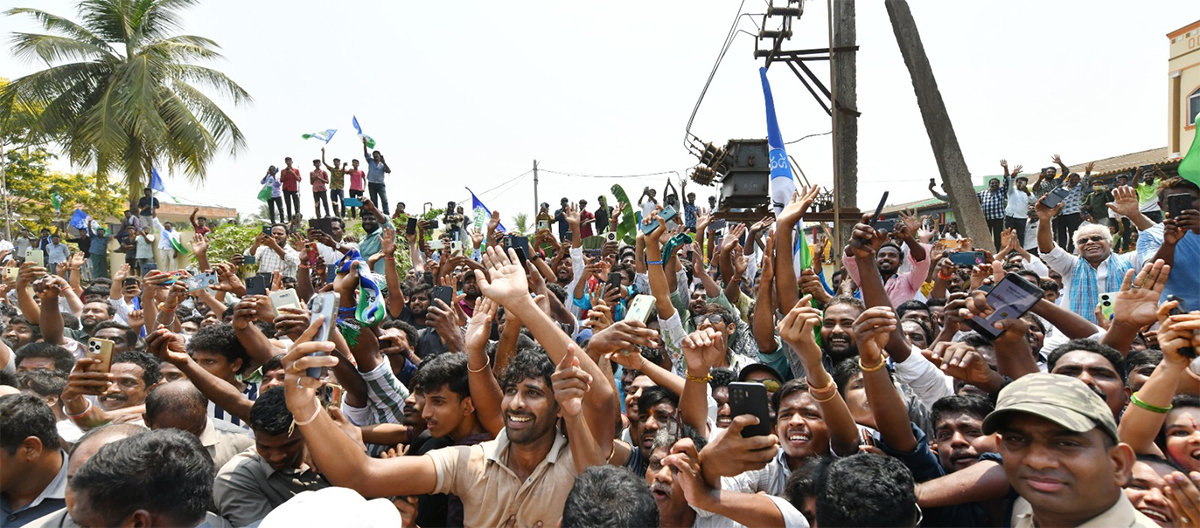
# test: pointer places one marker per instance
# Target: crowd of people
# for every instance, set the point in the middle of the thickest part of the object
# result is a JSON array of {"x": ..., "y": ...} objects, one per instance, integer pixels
[{"x": 703, "y": 375}]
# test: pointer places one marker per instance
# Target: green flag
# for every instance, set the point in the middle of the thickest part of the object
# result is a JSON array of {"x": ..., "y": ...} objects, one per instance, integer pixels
[
  {"x": 56, "y": 201},
  {"x": 804, "y": 254},
  {"x": 1189, "y": 168}
]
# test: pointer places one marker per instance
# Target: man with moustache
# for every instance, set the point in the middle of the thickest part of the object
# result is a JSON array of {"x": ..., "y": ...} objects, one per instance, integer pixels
[
  {"x": 94, "y": 313},
  {"x": 1094, "y": 271},
  {"x": 129, "y": 380}
]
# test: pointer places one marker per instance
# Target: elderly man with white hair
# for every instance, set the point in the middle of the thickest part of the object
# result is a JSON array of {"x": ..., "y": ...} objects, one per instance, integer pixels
[{"x": 1094, "y": 271}]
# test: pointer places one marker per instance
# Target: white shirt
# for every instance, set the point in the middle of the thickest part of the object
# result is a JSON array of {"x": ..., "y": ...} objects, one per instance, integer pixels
[{"x": 1064, "y": 263}]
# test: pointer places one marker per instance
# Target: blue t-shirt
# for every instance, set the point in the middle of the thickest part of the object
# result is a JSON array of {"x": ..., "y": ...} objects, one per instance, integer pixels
[{"x": 1184, "y": 281}]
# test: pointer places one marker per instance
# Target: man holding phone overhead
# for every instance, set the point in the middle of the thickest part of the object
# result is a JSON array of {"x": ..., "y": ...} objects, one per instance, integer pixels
[
  {"x": 1176, "y": 240},
  {"x": 900, "y": 286},
  {"x": 273, "y": 253}
]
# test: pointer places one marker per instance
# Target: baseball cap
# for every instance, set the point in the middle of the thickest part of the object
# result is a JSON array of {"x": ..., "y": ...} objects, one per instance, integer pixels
[{"x": 1063, "y": 400}]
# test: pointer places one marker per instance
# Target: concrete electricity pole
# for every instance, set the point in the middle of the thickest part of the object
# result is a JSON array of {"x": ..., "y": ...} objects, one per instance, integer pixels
[
  {"x": 956, "y": 179},
  {"x": 843, "y": 84}
]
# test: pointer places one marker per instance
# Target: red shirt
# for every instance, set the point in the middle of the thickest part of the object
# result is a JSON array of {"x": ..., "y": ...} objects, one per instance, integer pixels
[
  {"x": 356, "y": 179},
  {"x": 290, "y": 177},
  {"x": 585, "y": 229}
]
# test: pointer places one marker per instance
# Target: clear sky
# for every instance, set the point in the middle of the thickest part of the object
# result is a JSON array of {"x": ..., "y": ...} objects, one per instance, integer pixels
[{"x": 470, "y": 93}]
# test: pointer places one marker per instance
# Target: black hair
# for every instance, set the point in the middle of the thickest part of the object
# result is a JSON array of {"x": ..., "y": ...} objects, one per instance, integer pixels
[
  {"x": 714, "y": 308},
  {"x": 177, "y": 398},
  {"x": 1088, "y": 345},
  {"x": 1048, "y": 284},
  {"x": 926, "y": 330},
  {"x": 167, "y": 472},
  {"x": 785, "y": 390},
  {"x": 131, "y": 335},
  {"x": 1029, "y": 275},
  {"x": 846, "y": 299},
  {"x": 150, "y": 371},
  {"x": 1185, "y": 400},
  {"x": 34, "y": 330},
  {"x": 63, "y": 361},
  {"x": 1034, "y": 320},
  {"x": 558, "y": 291},
  {"x": 866, "y": 490},
  {"x": 803, "y": 482},
  {"x": 1155, "y": 459},
  {"x": 275, "y": 363},
  {"x": 936, "y": 301},
  {"x": 269, "y": 414},
  {"x": 975, "y": 340},
  {"x": 609, "y": 496},
  {"x": 101, "y": 290},
  {"x": 23, "y": 416},
  {"x": 528, "y": 363},
  {"x": 421, "y": 288},
  {"x": 70, "y": 321},
  {"x": 721, "y": 377},
  {"x": 8, "y": 378},
  {"x": 220, "y": 339},
  {"x": 974, "y": 405},
  {"x": 655, "y": 395},
  {"x": 444, "y": 370},
  {"x": 44, "y": 382},
  {"x": 652, "y": 355},
  {"x": 910, "y": 305},
  {"x": 843, "y": 371},
  {"x": 1141, "y": 358},
  {"x": 685, "y": 431}
]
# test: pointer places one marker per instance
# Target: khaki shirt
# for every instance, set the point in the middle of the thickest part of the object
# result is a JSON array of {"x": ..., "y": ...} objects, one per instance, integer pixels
[
  {"x": 491, "y": 492},
  {"x": 223, "y": 445},
  {"x": 1121, "y": 514},
  {"x": 247, "y": 488}
]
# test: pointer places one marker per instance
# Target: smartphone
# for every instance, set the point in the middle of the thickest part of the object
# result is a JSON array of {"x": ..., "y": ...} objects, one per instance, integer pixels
[
  {"x": 330, "y": 273},
  {"x": 640, "y": 308},
  {"x": 433, "y": 224},
  {"x": 11, "y": 273},
  {"x": 284, "y": 299},
  {"x": 1106, "y": 306},
  {"x": 614, "y": 279},
  {"x": 173, "y": 277},
  {"x": 455, "y": 246},
  {"x": 256, "y": 285},
  {"x": 202, "y": 281},
  {"x": 610, "y": 236},
  {"x": 129, "y": 281},
  {"x": 691, "y": 255},
  {"x": 249, "y": 260},
  {"x": 1010, "y": 299},
  {"x": 967, "y": 259},
  {"x": 313, "y": 254},
  {"x": 314, "y": 224},
  {"x": 886, "y": 225},
  {"x": 352, "y": 202},
  {"x": 520, "y": 245},
  {"x": 718, "y": 224},
  {"x": 35, "y": 255},
  {"x": 1180, "y": 310},
  {"x": 750, "y": 398},
  {"x": 411, "y": 228},
  {"x": 1177, "y": 204},
  {"x": 324, "y": 304},
  {"x": 266, "y": 230},
  {"x": 437, "y": 244},
  {"x": 668, "y": 214},
  {"x": 101, "y": 349},
  {"x": 445, "y": 293},
  {"x": 879, "y": 208},
  {"x": 331, "y": 394},
  {"x": 1055, "y": 197}
]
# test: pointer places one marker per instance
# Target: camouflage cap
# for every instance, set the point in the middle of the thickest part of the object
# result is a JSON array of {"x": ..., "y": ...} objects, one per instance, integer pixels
[{"x": 1063, "y": 400}]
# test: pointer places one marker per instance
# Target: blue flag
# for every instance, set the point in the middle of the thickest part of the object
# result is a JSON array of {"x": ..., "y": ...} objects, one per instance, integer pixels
[
  {"x": 324, "y": 135},
  {"x": 79, "y": 219},
  {"x": 156, "y": 182},
  {"x": 783, "y": 182},
  {"x": 482, "y": 213},
  {"x": 370, "y": 141}
]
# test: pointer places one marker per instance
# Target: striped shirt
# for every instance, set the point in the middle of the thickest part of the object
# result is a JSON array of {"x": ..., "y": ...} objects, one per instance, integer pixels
[{"x": 217, "y": 413}]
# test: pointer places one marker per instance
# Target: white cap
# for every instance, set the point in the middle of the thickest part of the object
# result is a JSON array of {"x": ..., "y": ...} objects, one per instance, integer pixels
[{"x": 332, "y": 507}]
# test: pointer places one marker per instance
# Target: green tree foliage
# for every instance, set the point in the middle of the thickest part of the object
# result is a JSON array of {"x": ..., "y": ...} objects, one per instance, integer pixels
[
  {"x": 121, "y": 93},
  {"x": 33, "y": 185}
]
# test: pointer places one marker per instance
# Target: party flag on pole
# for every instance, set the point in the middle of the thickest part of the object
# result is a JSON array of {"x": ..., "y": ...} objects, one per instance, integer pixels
[
  {"x": 1189, "y": 168},
  {"x": 156, "y": 184},
  {"x": 324, "y": 135},
  {"x": 56, "y": 201},
  {"x": 370, "y": 140},
  {"x": 482, "y": 213},
  {"x": 783, "y": 182},
  {"x": 79, "y": 219}
]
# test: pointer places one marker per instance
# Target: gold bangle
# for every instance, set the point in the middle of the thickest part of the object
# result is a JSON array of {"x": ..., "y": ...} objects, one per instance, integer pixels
[
  {"x": 812, "y": 388},
  {"x": 818, "y": 400},
  {"x": 882, "y": 362},
  {"x": 698, "y": 379},
  {"x": 487, "y": 364}
]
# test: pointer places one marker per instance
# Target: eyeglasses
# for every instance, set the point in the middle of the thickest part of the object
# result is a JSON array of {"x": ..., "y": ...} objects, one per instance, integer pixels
[
  {"x": 711, "y": 318},
  {"x": 1093, "y": 238},
  {"x": 770, "y": 384}
]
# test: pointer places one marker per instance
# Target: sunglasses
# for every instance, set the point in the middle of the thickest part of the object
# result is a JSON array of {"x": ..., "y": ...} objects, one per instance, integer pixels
[
  {"x": 770, "y": 384},
  {"x": 711, "y": 318},
  {"x": 1093, "y": 238}
]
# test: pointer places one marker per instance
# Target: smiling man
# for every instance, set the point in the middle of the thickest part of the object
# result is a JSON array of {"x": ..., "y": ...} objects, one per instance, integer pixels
[
  {"x": 1062, "y": 455},
  {"x": 1095, "y": 270}
]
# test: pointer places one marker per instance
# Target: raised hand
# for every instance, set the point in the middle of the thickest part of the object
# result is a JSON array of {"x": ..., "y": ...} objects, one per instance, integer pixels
[
  {"x": 1087, "y": 169},
  {"x": 703, "y": 349},
  {"x": 872, "y": 328},
  {"x": 1017, "y": 170},
  {"x": 571, "y": 383},
  {"x": 200, "y": 244},
  {"x": 796, "y": 328},
  {"x": 622, "y": 336},
  {"x": 1004, "y": 163},
  {"x": 1136, "y": 304},
  {"x": 1125, "y": 202},
  {"x": 1046, "y": 213},
  {"x": 961, "y": 361},
  {"x": 167, "y": 346},
  {"x": 508, "y": 282}
]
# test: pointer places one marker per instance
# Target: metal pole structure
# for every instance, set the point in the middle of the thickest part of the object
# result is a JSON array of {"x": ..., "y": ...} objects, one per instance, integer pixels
[
  {"x": 844, "y": 104},
  {"x": 956, "y": 179},
  {"x": 535, "y": 185},
  {"x": 4, "y": 186}
]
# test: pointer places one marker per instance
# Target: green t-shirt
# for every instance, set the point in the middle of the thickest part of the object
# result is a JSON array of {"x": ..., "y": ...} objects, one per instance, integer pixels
[{"x": 1147, "y": 192}]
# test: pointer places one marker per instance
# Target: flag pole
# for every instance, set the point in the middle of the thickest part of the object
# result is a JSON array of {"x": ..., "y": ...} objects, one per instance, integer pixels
[{"x": 535, "y": 194}]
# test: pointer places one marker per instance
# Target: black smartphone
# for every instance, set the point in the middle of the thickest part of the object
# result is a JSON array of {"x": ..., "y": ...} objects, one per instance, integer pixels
[
  {"x": 445, "y": 293},
  {"x": 256, "y": 285},
  {"x": 888, "y": 225},
  {"x": 751, "y": 398},
  {"x": 1055, "y": 197},
  {"x": 614, "y": 280},
  {"x": 718, "y": 224},
  {"x": 1177, "y": 204},
  {"x": 314, "y": 223},
  {"x": 129, "y": 281},
  {"x": 1180, "y": 310},
  {"x": 266, "y": 230},
  {"x": 520, "y": 245},
  {"x": 1010, "y": 299},
  {"x": 412, "y": 226},
  {"x": 691, "y": 256},
  {"x": 879, "y": 209},
  {"x": 433, "y": 224},
  {"x": 967, "y": 259}
]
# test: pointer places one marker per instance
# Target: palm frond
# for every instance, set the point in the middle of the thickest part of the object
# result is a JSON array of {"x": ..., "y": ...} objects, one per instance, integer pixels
[
  {"x": 209, "y": 77},
  {"x": 221, "y": 127},
  {"x": 63, "y": 26},
  {"x": 54, "y": 48},
  {"x": 183, "y": 48},
  {"x": 108, "y": 19}
]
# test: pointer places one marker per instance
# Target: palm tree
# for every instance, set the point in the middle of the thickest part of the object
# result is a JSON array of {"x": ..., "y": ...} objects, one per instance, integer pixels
[
  {"x": 521, "y": 224},
  {"x": 120, "y": 90}
]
